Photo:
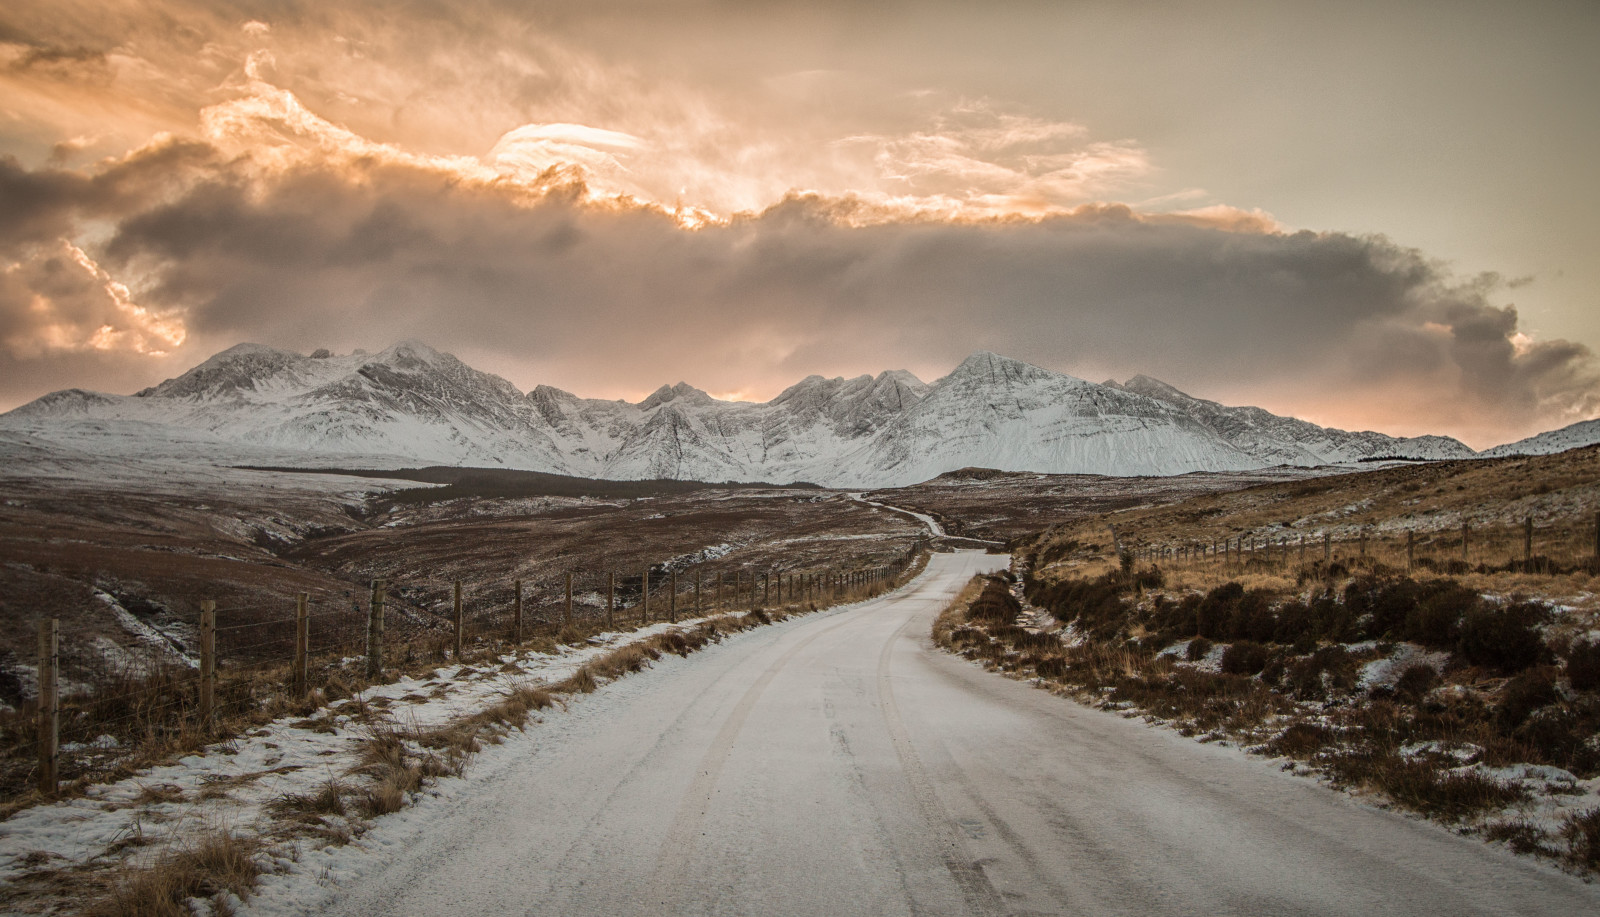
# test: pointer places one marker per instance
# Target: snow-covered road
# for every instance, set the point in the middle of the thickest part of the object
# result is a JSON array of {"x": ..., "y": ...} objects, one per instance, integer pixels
[{"x": 838, "y": 764}]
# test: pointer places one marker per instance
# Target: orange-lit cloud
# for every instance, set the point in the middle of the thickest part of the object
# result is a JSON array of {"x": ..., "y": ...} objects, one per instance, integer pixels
[{"x": 328, "y": 176}]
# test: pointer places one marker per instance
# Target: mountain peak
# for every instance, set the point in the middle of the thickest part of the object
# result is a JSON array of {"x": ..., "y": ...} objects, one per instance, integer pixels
[
  {"x": 683, "y": 391},
  {"x": 412, "y": 352},
  {"x": 987, "y": 368},
  {"x": 240, "y": 368},
  {"x": 1151, "y": 387}
]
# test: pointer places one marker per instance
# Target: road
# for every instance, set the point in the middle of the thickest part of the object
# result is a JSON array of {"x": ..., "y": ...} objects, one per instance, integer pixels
[{"x": 840, "y": 765}]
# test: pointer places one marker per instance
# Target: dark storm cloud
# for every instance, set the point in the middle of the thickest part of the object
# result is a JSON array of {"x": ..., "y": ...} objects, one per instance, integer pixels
[{"x": 606, "y": 297}]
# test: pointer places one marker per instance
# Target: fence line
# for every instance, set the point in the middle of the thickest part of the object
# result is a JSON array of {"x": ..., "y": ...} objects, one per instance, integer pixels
[
  {"x": 1556, "y": 547},
  {"x": 174, "y": 687}
]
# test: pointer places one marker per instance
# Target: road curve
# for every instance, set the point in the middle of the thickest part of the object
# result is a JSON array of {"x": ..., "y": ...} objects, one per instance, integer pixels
[{"x": 840, "y": 765}]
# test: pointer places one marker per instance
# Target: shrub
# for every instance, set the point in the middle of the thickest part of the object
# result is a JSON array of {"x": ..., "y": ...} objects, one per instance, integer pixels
[
  {"x": 1522, "y": 695},
  {"x": 1198, "y": 648},
  {"x": 1436, "y": 616},
  {"x": 1329, "y": 670},
  {"x": 1301, "y": 740},
  {"x": 1216, "y": 610},
  {"x": 1416, "y": 681},
  {"x": 1244, "y": 658},
  {"x": 1504, "y": 639},
  {"x": 1583, "y": 665},
  {"x": 1253, "y": 618},
  {"x": 995, "y": 605},
  {"x": 1582, "y": 831}
]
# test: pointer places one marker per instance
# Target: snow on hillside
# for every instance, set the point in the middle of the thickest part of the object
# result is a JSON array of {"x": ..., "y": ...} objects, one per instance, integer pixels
[
  {"x": 1576, "y": 436},
  {"x": 1279, "y": 440},
  {"x": 411, "y": 404}
]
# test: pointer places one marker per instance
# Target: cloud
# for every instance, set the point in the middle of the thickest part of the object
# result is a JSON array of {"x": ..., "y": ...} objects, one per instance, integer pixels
[
  {"x": 333, "y": 177},
  {"x": 611, "y": 297},
  {"x": 60, "y": 301}
]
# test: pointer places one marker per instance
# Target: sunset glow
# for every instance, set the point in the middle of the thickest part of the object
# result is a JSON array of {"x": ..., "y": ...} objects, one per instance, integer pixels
[{"x": 608, "y": 198}]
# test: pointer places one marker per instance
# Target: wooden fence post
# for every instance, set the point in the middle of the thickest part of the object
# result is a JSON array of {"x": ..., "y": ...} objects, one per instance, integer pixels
[
  {"x": 611, "y": 600},
  {"x": 1327, "y": 545},
  {"x": 566, "y": 610},
  {"x": 457, "y": 617},
  {"x": 697, "y": 606},
  {"x": 1363, "y": 542},
  {"x": 1527, "y": 540},
  {"x": 302, "y": 642},
  {"x": 208, "y": 664},
  {"x": 672, "y": 596},
  {"x": 375, "y": 632},
  {"x": 1465, "y": 558},
  {"x": 516, "y": 613},
  {"x": 49, "y": 708}
]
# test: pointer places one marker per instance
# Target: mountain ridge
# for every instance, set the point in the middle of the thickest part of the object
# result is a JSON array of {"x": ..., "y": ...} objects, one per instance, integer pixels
[{"x": 412, "y": 403}]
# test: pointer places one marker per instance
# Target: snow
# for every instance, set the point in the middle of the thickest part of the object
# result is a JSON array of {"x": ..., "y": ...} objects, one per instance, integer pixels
[
  {"x": 1386, "y": 671},
  {"x": 412, "y": 405},
  {"x": 229, "y": 785},
  {"x": 1576, "y": 436}
]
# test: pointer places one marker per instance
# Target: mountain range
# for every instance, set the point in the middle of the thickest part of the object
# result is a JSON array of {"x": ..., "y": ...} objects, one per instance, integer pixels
[{"x": 412, "y": 404}]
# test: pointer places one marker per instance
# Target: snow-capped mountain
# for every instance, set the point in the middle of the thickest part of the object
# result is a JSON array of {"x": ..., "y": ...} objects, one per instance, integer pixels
[
  {"x": 411, "y": 404},
  {"x": 1575, "y": 436},
  {"x": 1278, "y": 440}
]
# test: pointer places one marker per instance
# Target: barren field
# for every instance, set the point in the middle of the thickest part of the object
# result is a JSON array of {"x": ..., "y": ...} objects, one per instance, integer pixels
[
  {"x": 1425, "y": 636},
  {"x": 1000, "y": 505},
  {"x": 125, "y": 565}
]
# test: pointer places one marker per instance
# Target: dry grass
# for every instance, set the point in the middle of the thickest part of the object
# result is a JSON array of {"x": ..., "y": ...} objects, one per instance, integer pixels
[
  {"x": 1512, "y": 688},
  {"x": 329, "y": 799},
  {"x": 214, "y": 865}
]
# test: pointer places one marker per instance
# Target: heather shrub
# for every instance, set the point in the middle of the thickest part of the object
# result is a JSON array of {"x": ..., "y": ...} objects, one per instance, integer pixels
[
  {"x": 1504, "y": 639},
  {"x": 1216, "y": 610},
  {"x": 1416, "y": 681},
  {"x": 994, "y": 605},
  {"x": 1523, "y": 695},
  {"x": 1440, "y": 607},
  {"x": 1583, "y": 665},
  {"x": 1328, "y": 671},
  {"x": 1244, "y": 658}
]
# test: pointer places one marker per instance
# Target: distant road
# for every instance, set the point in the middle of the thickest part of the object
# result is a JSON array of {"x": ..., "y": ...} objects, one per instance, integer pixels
[{"x": 840, "y": 765}]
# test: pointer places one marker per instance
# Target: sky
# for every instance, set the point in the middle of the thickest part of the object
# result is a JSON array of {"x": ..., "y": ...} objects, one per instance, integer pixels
[{"x": 1370, "y": 215}]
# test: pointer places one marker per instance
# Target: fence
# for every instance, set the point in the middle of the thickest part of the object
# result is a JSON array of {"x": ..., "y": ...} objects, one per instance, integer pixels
[
  {"x": 1556, "y": 546},
  {"x": 273, "y": 657}
]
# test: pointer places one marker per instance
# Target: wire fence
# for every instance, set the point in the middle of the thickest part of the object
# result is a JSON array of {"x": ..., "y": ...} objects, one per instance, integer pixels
[
  {"x": 216, "y": 670},
  {"x": 1540, "y": 547}
]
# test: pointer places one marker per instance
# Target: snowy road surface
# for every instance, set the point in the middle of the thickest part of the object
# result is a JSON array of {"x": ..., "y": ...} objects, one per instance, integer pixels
[{"x": 839, "y": 765}]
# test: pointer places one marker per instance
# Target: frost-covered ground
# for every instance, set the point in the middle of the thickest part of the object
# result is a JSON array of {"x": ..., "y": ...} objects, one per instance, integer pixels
[{"x": 232, "y": 785}]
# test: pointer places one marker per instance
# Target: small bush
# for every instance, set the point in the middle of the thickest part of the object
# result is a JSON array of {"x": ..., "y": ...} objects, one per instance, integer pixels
[
  {"x": 215, "y": 863},
  {"x": 1301, "y": 740},
  {"x": 1583, "y": 665},
  {"x": 1504, "y": 639},
  {"x": 1419, "y": 785},
  {"x": 1330, "y": 670},
  {"x": 1416, "y": 681},
  {"x": 1197, "y": 650},
  {"x": 995, "y": 605},
  {"x": 1523, "y": 695},
  {"x": 1582, "y": 832},
  {"x": 1244, "y": 658}
]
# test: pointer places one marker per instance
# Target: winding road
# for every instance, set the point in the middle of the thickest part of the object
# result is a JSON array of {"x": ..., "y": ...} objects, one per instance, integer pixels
[{"x": 839, "y": 764}]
